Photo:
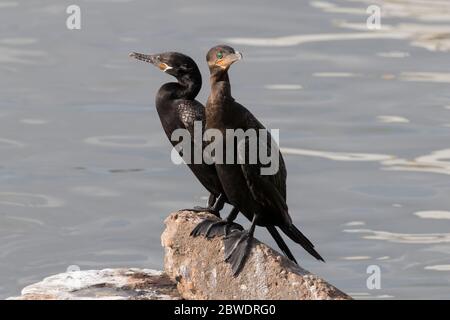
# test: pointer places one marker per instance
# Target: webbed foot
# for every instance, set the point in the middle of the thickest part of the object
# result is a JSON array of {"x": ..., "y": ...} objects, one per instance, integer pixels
[
  {"x": 212, "y": 228},
  {"x": 237, "y": 249}
]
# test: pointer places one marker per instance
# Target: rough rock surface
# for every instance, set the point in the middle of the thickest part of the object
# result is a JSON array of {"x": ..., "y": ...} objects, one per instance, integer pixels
[
  {"x": 198, "y": 267},
  {"x": 194, "y": 269},
  {"x": 107, "y": 284}
]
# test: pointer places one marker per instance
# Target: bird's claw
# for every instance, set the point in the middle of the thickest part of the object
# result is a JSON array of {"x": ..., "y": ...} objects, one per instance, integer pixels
[
  {"x": 212, "y": 228},
  {"x": 237, "y": 248}
]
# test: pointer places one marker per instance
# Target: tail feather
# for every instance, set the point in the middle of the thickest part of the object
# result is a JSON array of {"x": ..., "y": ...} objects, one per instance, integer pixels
[
  {"x": 280, "y": 242},
  {"x": 298, "y": 237}
]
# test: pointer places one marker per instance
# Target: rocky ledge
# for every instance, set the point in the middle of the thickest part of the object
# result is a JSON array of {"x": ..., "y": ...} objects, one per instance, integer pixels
[
  {"x": 107, "y": 284},
  {"x": 194, "y": 269}
]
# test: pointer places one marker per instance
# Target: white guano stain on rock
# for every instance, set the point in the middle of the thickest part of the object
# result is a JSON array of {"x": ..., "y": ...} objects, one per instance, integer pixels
[
  {"x": 107, "y": 284},
  {"x": 260, "y": 275}
]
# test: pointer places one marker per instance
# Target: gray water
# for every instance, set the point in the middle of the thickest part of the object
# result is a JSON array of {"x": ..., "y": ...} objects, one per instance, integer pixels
[{"x": 85, "y": 171}]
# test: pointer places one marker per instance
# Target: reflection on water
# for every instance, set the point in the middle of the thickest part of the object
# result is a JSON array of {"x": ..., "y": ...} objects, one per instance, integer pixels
[
  {"x": 431, "y": 37},
  {"x": 337, "y": 156},
  {"x": 335, "y": 74},
  {"x": 22, "y": 220},
  {"x": 363, "y": 116},
  {"x": 433, "y": 214},
  {"x": 310, "y": 38},
  {"x": 283, "y": 87},
  {"x": 431, "y": 163},
  {"x": 334, "y": 8},
  {"x": 442, "y": 77},
  {"x": 5, "y": 143},
  {"x": 393, "y": 54},
  {"x": 442, "y": 267},
  {"x": 94, "y": 191},
  {"x": 392, "y": 119},
  {"x": 410, "y": 238},
  {"x": 354, "y": 223},
  {"x": 368, "y": 296},
  {"x": 357, "y": 258},
  {"x": 121, "y": 141},
  {"x": 29, "y": 200},
  {"x": 14, "y": 55}
]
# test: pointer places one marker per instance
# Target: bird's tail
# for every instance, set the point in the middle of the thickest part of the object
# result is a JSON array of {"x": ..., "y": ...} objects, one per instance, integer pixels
[
  {"x": 298, "y": 237},
  {"x": 280, "y": 242}
]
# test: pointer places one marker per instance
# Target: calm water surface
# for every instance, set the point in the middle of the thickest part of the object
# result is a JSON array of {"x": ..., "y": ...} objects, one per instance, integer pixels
[{"x": 85, "y": 171}]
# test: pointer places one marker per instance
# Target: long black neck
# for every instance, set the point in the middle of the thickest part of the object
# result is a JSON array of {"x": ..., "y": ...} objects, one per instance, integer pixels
[{"x": 187, "y": 87}]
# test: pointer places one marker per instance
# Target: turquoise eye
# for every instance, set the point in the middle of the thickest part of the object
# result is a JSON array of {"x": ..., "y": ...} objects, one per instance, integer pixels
[{"x": 219, "y": 55}]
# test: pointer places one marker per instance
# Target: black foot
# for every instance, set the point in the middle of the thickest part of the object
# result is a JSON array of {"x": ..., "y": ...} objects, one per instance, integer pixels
[
  {"x": 237, "y": 248},
  {"x": 204, "y": 209},
  {"x": 212, "y": 228}
]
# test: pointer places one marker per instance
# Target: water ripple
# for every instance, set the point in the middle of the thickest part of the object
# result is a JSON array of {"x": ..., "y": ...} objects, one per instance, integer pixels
[
  {"x": 283, "y": 87},
  {"x": 356, "y": 258},
  {"x": 121, "y": 141},
  {"x": 337, "y": 156},
  {"x": 432, "y": 37},
  {"x": 392, "y": 119},
  {"x": 438, "y": 77},
  {"x": 10, "y": 55},
  {"x": 94, "y": 191},
  {"x": 439, "y": 267},
  {"x": 409, "y": 238},
  {"x": 10, "y": 143},
  {"x": 432, "y": 163},
  {"x": 444, "y": 215},
  {"x": 435, "y": 162},
  {"x": 335, "y": 75},
  {"x": 294, "y": 40},
  {"x": 30, "y": 200}
]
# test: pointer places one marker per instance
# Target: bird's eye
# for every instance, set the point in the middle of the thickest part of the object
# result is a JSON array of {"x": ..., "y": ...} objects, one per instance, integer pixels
[{"x": 219, "y": 55}]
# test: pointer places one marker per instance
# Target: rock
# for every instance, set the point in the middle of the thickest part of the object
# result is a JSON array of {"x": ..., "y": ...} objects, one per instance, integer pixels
[
  {"x": 198, "y": 267},
  {"x": 107, "y": 284},
  {"x": 194, "y": 269}
]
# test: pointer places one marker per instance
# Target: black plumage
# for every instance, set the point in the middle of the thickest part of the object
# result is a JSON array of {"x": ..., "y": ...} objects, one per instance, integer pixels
[
  {"x": 261, "y": 198},
  {"x": 178, "y": 109}
]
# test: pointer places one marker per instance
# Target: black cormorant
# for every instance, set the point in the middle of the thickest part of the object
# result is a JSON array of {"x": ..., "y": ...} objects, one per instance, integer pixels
[
  {"x": 261, "y": 198},
  {"x": 178, "y": 109}
]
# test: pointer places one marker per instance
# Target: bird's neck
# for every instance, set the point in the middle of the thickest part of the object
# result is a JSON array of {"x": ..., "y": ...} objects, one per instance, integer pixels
[
  {"x": 190, "y": 86},
  {"x": 219, "y": 101},
  {"x": 187, "y": 87},
  {"x": 220, "y": 88}
]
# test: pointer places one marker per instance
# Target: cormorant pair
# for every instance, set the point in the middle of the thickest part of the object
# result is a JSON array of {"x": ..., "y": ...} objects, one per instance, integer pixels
[{"x": 260, "y": 198}]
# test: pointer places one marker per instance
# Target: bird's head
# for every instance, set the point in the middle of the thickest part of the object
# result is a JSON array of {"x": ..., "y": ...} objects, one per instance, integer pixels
[
  {"x": 221, "y": 57},
  {"x": 174, "y": 63}
]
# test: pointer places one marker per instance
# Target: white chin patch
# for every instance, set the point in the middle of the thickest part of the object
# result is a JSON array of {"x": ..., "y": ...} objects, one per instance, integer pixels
[{"x": 167, "y": 68}]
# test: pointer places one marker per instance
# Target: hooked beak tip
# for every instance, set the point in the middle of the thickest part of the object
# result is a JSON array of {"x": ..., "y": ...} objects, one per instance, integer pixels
[{"x": 142, "y": 57}]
